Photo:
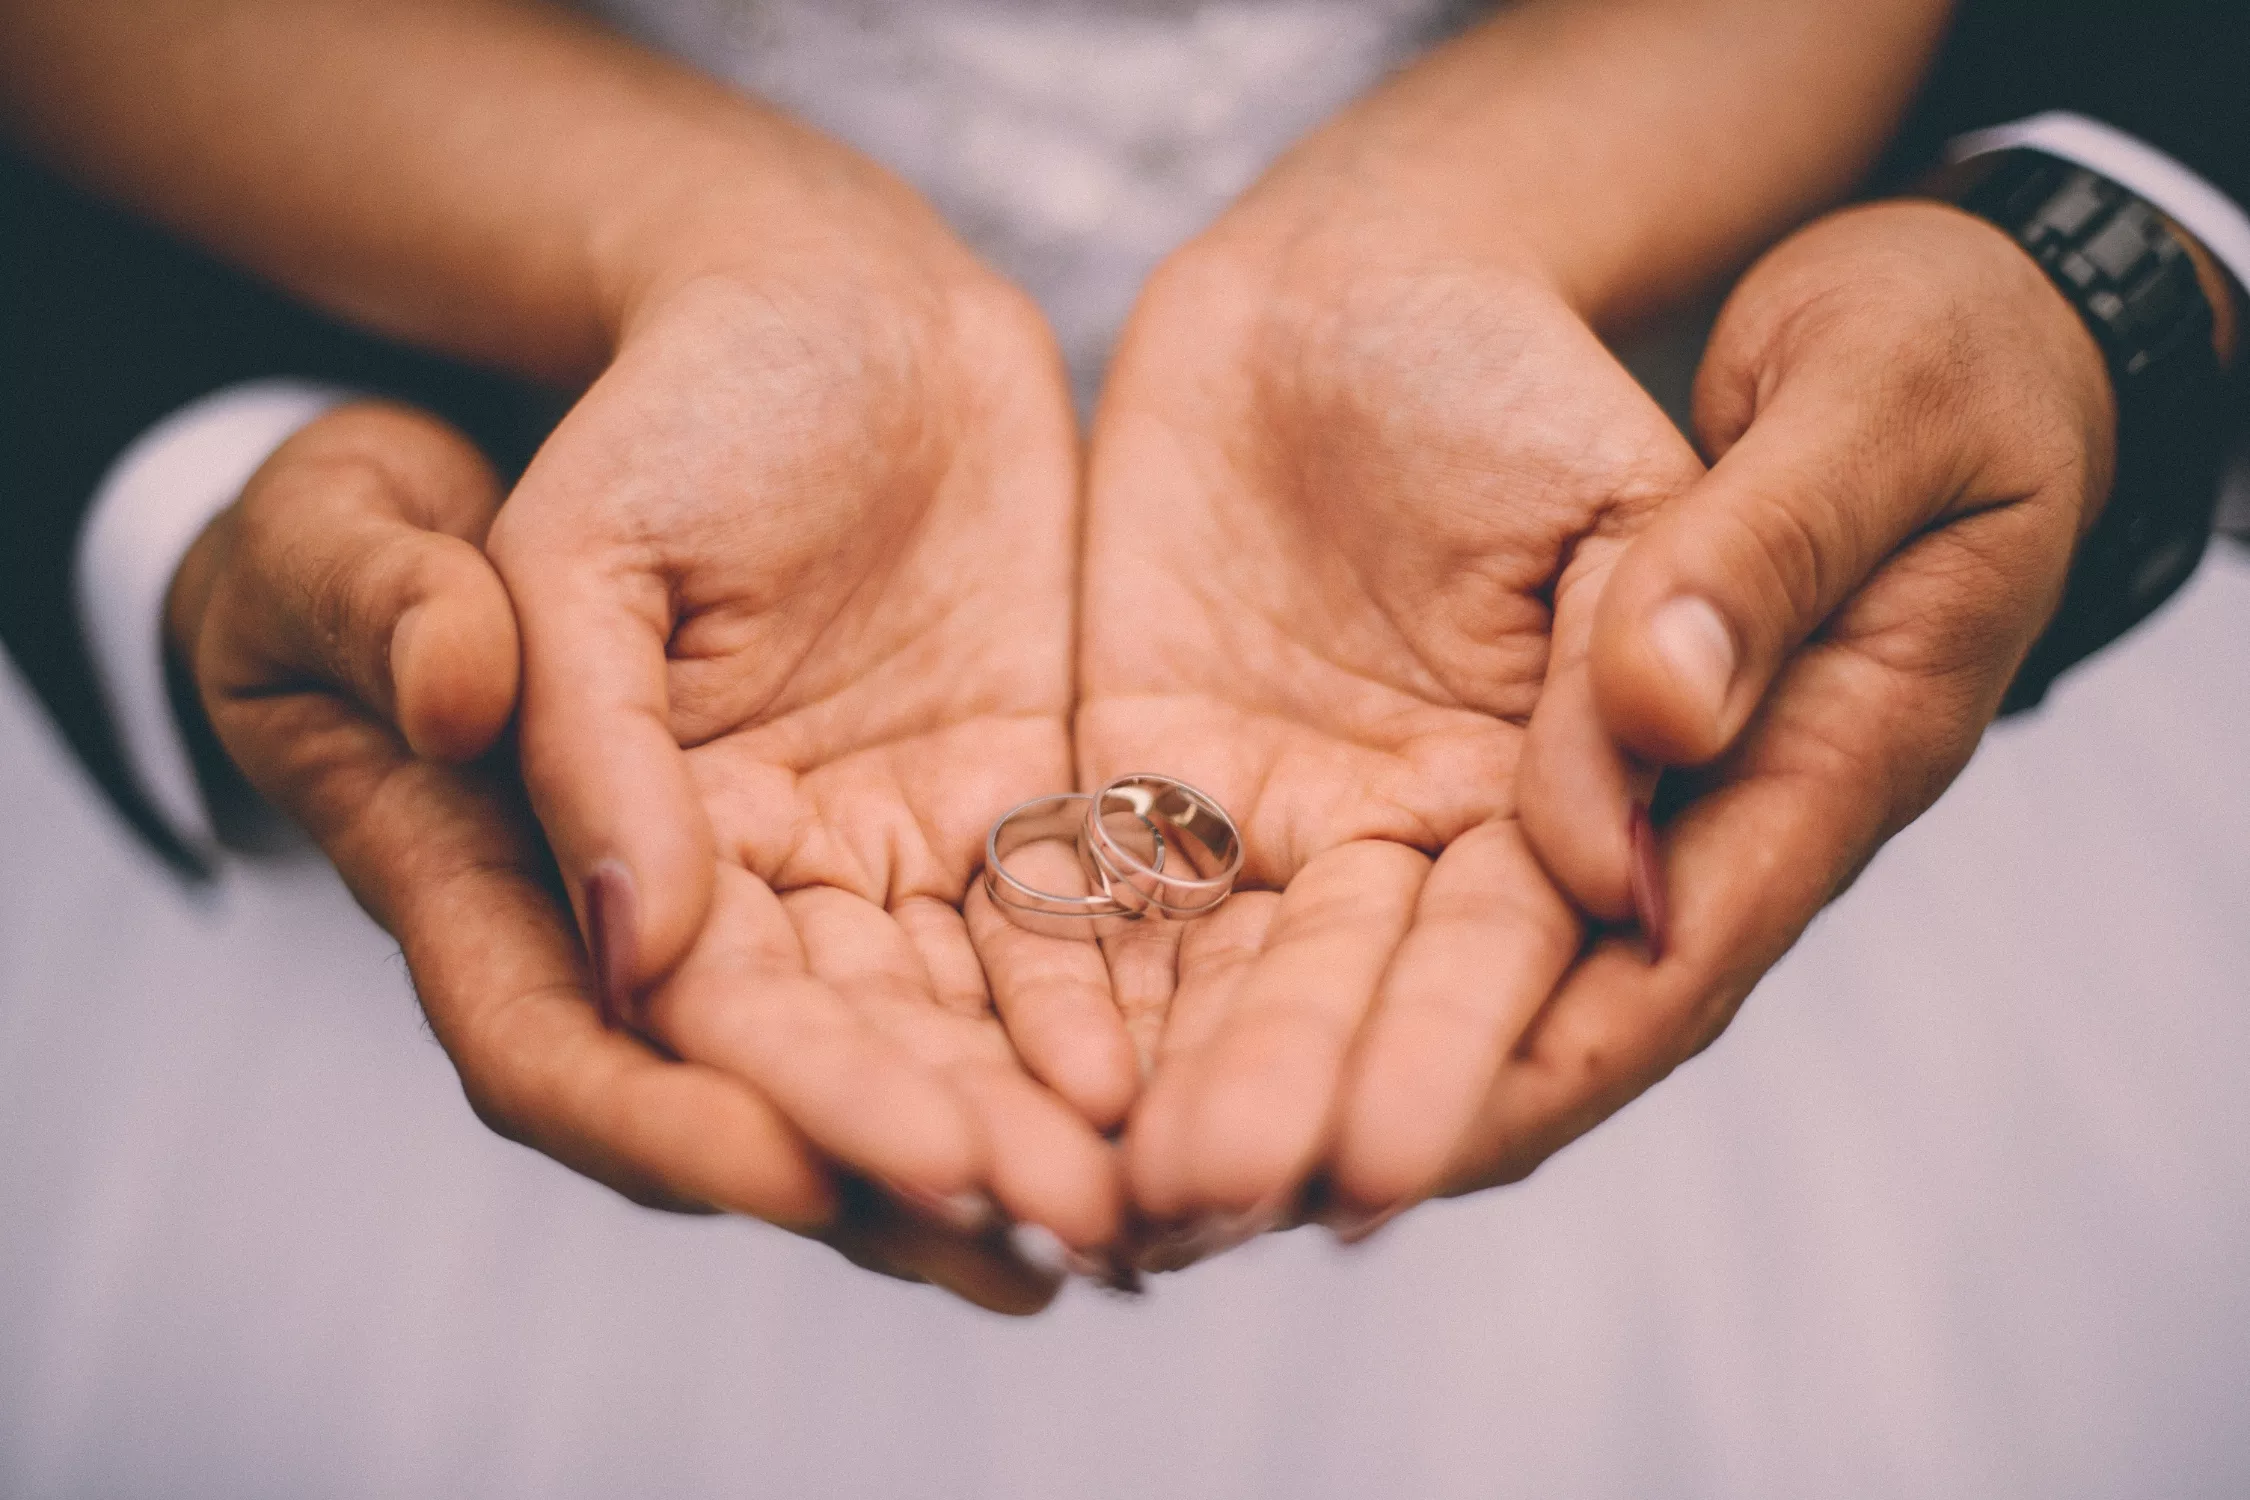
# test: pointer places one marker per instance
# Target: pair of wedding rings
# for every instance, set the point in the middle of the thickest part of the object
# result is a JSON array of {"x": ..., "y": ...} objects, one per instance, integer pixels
[{"x": 1144, "y": 847}]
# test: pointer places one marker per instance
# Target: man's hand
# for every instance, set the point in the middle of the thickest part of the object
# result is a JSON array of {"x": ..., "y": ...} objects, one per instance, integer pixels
[
  {"x": 1911, "y": 430},
  {"x": 357, "y": 657}
]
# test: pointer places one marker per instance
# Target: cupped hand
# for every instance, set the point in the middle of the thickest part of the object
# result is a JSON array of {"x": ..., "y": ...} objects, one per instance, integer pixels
[
  {"x": 1911, "y": 429},
  {"x": 357, "y": 657},
  {"x": 1337, "y": 498},
  {"x": 794, "y": 581}
]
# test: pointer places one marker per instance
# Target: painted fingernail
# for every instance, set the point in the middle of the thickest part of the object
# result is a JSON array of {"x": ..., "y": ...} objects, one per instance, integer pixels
[
  {"x": 1042, "y": 1249},
  {"x": 610, "y": 940},
  {"x": 968, "y": 1212},
  {"x": 1648, "y": 882},
  {"x": 1693, "y": 640}
]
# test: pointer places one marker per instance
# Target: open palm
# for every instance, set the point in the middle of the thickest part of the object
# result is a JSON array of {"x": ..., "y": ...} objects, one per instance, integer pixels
[
  {"x": 1328, "y": 537},
  {"x": 794, "y": 583}
]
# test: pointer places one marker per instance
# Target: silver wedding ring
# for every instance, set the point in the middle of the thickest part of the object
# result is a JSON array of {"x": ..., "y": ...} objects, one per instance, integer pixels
[
  {"x": 1203, "y": 846},
  {"x": 1061, "y": 819},
  {"x": 1146, "y": 847}
]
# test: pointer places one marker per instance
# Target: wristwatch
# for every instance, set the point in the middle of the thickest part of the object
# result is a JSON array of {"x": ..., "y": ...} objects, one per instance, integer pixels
[{"x": 2132, "y": 278}]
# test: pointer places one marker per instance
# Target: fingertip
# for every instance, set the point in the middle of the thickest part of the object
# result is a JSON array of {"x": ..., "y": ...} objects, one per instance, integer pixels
[
  {"x": 1250, "y": 1135},
  {"x": 607, "y": 776},
  {"x": 613, "y": 940},
  {"x": 1374, "y": 1177},
  {"x": 1666, "y": 672},
  {"x": 1576, "y": 791},
  {"x": 1150, "y": 1152},
  {"x": 454, "y": 663},
  {"x": 1072, "y": 1183},
  {"x": 1097, "y": 1075},
  {"x": 673, "y": 875},
  {"x": 624, "y": 818}
]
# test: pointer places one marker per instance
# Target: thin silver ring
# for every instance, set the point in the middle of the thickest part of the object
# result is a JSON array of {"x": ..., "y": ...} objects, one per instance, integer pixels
[
  {"x": 1189, "y": 823},
  {"x": 1065, "y": 817}
]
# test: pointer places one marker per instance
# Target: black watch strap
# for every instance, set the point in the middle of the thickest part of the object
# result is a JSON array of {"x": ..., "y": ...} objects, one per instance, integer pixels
[{"x": 2132, "y": 280}]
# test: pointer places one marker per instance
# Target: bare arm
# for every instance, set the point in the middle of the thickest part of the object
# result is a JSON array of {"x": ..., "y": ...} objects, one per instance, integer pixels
[
  {"x": 498, "y": 180},
  {"x": 1632, "y": 149}
]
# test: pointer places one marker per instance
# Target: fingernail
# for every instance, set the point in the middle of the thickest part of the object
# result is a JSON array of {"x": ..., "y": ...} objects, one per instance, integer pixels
[
  {"x": 1648, "y": 882},
  {"x": 1695, "y": 643},
  {"x": 610, "y": 940},
  {"x": 1355, "y": 1228},
  {"x": 403, "y": 629},
  {"x": 968, "y": 1212},
  {"x": 1042, "y": 1249}
]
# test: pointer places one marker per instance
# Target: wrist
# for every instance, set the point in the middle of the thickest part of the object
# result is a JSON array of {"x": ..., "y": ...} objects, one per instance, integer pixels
[
  {"x": 1360, "y": 199},
  {"x": 2144, "y": 292},
  {"x": 778, "y": 209},
  {"x": 1706, "y": 145}
]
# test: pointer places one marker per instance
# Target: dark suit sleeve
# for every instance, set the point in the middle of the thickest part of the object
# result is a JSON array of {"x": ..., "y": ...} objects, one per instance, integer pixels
[
  {"x": 107, "y": 327},
  {"x": 2176, "y": 75}
]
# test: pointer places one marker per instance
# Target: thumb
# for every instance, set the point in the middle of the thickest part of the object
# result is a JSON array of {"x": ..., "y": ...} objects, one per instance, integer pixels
[
  {"x": 607, "y": 777},
  {"x": 1703, "y": 606},
  {"x": 353, "y": 558}
]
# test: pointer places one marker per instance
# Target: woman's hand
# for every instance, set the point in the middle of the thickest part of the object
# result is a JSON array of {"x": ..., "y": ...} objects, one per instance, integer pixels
[
  {"x": 357, "y": 658},
  {"x": 1337, "y": 496},
  {"x": 794, "y": 581}
]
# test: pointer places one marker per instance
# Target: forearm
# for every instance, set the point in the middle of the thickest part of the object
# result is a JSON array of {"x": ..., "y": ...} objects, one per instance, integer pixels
[
  {"x": 1631, "y": 150},
  {"x": 494, "y": 179}
]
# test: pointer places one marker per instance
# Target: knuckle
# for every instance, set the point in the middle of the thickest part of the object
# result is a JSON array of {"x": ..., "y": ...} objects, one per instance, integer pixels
[{"x": 1779, "y": 554}]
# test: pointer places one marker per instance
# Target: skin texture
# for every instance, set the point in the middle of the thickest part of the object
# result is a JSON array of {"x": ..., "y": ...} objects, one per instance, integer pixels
[
  {"x": 1356, "y": 482},
  {"x": 806, "y": 409},
  {"x": 343, "y": 596},
  {"x": 1324, "y": 532},
  {"x": 793, "y": 586},
  {"x": 1911, "y": 429},
  {"x": 820, "y": 613}
]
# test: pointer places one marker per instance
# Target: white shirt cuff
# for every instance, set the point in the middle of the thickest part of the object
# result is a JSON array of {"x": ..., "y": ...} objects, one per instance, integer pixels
[
  {"x": 147, "y": 511},
  {"x": 2184, "y": 197}
]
